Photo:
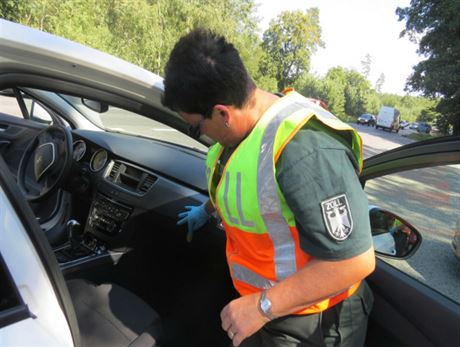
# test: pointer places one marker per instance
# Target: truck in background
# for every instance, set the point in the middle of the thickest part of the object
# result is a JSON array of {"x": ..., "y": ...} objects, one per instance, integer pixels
[{"x": 388, "y": 118}]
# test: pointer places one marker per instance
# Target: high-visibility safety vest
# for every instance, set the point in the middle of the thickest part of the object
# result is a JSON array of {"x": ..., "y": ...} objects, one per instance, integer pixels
[{"x": 262, "y": 239}]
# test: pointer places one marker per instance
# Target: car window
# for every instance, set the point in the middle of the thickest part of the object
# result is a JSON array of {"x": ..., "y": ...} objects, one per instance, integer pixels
[
  {"x": 120, "y": 120},
  {"x": 429, "y": 199},
  {"x": 131, "y": 123},
  {"x": 9, "y": 105},
  {"x": 37, "y": 112}
]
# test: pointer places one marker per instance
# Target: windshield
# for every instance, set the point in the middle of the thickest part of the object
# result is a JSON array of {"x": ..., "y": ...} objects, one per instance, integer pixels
[{"x": 122, "y": 121}]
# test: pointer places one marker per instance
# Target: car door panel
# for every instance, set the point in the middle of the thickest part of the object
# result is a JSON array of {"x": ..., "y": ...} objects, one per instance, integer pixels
[{"x": 411, "y": 311}]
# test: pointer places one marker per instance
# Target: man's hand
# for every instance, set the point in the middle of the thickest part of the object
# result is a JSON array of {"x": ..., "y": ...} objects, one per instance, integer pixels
[
  {"x": 241, "y": 318},
  {"x": 195, "y": 217}
]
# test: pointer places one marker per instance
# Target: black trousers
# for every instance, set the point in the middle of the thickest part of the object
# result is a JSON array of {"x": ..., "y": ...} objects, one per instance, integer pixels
[{"x": 344, "y": 324}]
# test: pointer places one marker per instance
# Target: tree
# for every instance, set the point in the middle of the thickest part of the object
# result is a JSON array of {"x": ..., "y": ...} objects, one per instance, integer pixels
[
  {"x": 427, "y": 115},
  {"x": 435, "y": 25},
  {"x": 366, "y": 65},
  {"x": 333, "y": 88},
  {"x": 309, "y": 85},
  {"x": 379, "y": 83},
  {"x": 289, "y": 42},
  {"x": 357, "y": 92}
]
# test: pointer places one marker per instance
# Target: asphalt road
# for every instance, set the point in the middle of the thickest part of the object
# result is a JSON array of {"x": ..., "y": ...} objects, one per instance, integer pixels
[{"x": 429, "y": 199}]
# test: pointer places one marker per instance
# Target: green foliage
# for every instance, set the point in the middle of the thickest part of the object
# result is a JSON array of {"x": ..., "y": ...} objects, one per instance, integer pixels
[
  {"x": 289, "y": 42},
  {"x": 435, "y": 25},
  {"x": 412, "y": 108},
  {"x": 419, "y": 136},
  {"x": 427, "y": 115},
  {"x": 333, "y": 90},
  {"x": 14, "y": 10},
  {"x": 348, "y": 94},
  {"x": 357, "y": 92},
  {"x": 447, "y": 117},
  {"x": 142, "y": 31}
]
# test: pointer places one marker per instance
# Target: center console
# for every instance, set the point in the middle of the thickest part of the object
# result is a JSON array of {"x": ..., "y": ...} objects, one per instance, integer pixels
[
  {"x": 106, "y": 219},
  {"x": 90, "y": 246},
  {"x": 107, "y": 216}
]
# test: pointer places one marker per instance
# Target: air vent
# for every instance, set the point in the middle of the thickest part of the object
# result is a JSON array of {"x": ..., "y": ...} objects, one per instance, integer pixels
[
  {"x": 114, "y": 171},
  {"x": 147, "y": 183}
]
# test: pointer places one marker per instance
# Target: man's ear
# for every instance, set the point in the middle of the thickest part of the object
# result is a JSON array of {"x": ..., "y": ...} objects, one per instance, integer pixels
[{"x": 224, "y": 111}]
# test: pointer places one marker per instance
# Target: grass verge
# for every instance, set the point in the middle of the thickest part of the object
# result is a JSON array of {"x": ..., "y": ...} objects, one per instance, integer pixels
[{"x": 419, "y": 136}]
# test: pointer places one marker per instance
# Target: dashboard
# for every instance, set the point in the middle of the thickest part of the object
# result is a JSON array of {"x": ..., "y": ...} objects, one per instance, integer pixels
[{"x": 126, "y": 176}]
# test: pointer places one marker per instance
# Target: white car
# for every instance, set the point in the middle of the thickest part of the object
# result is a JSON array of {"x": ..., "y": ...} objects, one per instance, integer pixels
[{"x": 93, "y": 172}]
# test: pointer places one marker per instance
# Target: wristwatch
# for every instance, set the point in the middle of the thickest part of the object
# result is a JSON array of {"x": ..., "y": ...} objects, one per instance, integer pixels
[{"x": 265, "y": 305}]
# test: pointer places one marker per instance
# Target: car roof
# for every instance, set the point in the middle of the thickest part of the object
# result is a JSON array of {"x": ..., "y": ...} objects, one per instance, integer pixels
[{"x": 24, "y": 49}]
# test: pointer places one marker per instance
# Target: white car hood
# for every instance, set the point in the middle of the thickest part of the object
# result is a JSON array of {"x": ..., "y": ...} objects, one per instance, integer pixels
[{"x": 23, "y": 49}]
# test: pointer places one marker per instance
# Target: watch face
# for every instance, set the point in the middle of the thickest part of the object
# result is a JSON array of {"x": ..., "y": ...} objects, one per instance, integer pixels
[{"x": 265, "y": 305}]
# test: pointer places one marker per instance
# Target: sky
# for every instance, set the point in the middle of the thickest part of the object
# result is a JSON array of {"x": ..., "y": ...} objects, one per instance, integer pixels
[{"x": 351, "y": 29}]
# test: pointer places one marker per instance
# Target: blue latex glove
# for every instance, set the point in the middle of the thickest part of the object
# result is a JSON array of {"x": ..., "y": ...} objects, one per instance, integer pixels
[{"x": 195, "y": 217}]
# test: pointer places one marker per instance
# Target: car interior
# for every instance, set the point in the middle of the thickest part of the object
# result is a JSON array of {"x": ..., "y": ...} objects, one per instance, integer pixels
[
  {"x": 106, "y": 200},
  {"x": 108, "y": 203}
]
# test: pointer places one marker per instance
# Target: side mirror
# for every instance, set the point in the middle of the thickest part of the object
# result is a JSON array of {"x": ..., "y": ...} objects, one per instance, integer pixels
[
  {"x": 96, "y": 106},
  {"x": 393, "y": 237}
]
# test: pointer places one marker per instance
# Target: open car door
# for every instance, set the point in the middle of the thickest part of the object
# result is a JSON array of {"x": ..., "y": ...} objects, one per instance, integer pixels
[{"x": 417, "y": 301}]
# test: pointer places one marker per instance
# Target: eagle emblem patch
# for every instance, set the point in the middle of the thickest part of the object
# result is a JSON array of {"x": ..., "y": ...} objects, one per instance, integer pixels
[{"x": 337, "y": 217}]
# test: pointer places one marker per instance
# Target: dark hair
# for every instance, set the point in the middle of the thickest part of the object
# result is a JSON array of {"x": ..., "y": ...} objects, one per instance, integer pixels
[{"x": 204, "y": 70}]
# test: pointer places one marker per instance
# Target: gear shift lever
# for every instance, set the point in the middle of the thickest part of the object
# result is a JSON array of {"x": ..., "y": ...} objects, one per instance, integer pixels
[{"x": 74, "y": 230}]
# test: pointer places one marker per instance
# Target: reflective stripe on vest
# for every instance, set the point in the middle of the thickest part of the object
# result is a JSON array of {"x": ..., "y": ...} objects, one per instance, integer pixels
[{"x": 270, "y": 206}]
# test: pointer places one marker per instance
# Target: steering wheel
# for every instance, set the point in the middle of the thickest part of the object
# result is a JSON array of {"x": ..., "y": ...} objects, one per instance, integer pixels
[{"x": 45, "y": 163}]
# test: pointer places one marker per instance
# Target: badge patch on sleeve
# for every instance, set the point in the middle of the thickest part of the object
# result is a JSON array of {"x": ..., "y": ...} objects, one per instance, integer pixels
[{"x": 337, "y": 217}]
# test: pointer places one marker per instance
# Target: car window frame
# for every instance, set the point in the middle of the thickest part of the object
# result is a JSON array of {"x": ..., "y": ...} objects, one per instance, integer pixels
[
  {"x": 56, "y": 85},
  {"x": 416, "y": 155}
]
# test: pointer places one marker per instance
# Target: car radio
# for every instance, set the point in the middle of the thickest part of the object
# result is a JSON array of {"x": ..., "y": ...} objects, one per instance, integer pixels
[{"x": 107, "y": 216}]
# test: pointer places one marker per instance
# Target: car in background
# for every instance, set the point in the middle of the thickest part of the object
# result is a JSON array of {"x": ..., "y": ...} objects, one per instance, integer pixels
[
  {"x": 413, "y": 126},
  {"x": 366, "y": 119},
  {"x": 92, "y": 177},
  {"x": 424, "y": 127},
  {"x": 404, "y": 124}
]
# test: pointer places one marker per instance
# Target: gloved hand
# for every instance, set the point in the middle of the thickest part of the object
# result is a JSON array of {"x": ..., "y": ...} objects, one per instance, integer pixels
[{"x": 195, "y": 217}]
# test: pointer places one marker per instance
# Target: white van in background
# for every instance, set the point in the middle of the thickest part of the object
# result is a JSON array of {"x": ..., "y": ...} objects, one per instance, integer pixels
[{"x": 388, "y": 118}]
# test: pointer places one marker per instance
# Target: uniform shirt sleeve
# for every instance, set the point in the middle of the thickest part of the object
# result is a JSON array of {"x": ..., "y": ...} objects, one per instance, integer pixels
[{"x": 313, "y": 169}]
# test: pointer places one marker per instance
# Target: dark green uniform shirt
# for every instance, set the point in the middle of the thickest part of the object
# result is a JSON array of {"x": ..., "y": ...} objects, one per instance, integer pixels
[{"x": 315, "y": 172}]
